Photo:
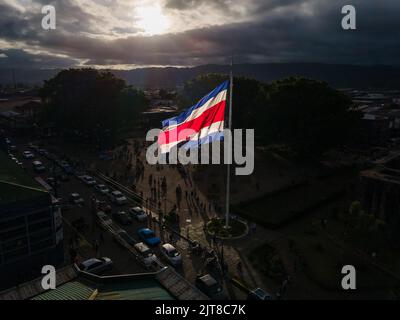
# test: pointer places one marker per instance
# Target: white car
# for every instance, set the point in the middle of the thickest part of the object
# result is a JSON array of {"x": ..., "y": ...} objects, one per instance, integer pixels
[
  {"x": 138, "y": 214},
  {"x": 118, "y": 198},
  {"x": 28, "y": 155},
  {"x": 171, "y": 254},
  {"x": 75, "y": 198},
  {"x": 104, "y": 219},
  {"x": 13, "y": 148},
  {"x": 145, "y": 255},
  {"x": 89, "y": 180},
  {"x": 101, "y": 188},
  {"x": 38, "y": 166},
  {"x": 95, "y": 265}
]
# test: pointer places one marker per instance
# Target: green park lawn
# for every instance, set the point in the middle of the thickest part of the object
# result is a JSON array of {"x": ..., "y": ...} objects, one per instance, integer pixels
[{"x": 276, "y": 210}]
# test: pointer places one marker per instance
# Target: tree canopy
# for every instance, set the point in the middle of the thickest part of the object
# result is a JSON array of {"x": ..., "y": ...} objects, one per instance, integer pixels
[
  {"x": 306, "y": 115},
  {"x": 90, "y": 101}
]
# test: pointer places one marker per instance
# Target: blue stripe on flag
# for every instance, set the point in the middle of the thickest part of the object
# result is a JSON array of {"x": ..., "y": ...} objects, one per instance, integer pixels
[{"x": 216, "y": 136}]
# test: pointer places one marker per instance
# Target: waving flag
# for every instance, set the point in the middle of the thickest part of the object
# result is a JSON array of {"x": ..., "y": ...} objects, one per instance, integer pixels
[{"x": 200, "y": 124}]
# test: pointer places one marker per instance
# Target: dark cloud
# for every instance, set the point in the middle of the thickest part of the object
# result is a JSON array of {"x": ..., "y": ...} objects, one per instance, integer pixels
[
  {"x": 17, "y": 58},
  {"x": 278, "y": 31}
]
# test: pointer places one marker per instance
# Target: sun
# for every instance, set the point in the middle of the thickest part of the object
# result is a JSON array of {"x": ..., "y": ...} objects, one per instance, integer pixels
[{"x": 151, "y": 20}]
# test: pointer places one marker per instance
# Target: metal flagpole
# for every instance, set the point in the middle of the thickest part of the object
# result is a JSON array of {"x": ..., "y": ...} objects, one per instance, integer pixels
[{"x": 228, "y": 170}]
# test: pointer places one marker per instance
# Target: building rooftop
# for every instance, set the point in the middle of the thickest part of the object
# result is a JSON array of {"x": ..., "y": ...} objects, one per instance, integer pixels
[
  {"x": 73, "y": 284},
  {"x": 82, "y": 289},
  {"x": 15, "y": 184}
]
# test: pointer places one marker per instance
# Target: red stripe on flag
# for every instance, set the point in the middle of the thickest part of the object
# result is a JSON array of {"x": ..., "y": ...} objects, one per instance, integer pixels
[{"x": 207, "y": 118}]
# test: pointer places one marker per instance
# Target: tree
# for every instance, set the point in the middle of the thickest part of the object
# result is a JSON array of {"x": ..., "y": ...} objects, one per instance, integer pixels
[
  {"x": 306, "y": 115},
  {"x": 91, "y": 102}
]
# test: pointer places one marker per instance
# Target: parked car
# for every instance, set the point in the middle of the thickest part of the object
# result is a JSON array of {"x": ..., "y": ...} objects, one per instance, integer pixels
[
  {"x": 96, "y": 266},
  {"x": 28, "y": 155},
  {"x": 88, "y": 180},
  {"x": 118, "y": 198},
  {"x": 171, "y": 254},
  {"x": 149, "y": 237},
  {"x": 104, "y": 219},
  {"x": 75, "y": 198},
  {"x": 102, "y": 188},
  {"x": 124, "y": 238},
  {"x": 104, "y": 206},
  {"x": 145, "y": 255},
  {"x": 259, "y": 294},
  {"x": 122, "y": 217},
  {"x": 38, "y": 166},
  {"x": 56, "y": 201},
  {"x": 210, "y": 287},
  {"x": 138, "y": 214}
]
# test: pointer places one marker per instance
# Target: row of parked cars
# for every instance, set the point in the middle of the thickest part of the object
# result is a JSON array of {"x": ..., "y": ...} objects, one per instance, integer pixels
[
  {"x": 116, "y": 197},
  {"x": 147, "y": 236},
  {"x": 144, "y": 254},
  {"x": 144, "y": 248},
  {"x": 148, "y": 240}
]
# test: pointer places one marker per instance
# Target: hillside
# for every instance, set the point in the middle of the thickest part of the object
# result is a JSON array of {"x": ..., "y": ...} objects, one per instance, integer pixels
[{"x": 340, "y": 76}]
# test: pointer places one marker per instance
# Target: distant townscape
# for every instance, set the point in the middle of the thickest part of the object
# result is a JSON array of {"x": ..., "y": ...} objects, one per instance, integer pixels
[{"x": 339, "y": 76}]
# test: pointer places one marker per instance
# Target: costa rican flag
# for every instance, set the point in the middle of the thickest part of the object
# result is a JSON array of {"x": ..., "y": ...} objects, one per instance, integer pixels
[{"x": 203, "y": 123}]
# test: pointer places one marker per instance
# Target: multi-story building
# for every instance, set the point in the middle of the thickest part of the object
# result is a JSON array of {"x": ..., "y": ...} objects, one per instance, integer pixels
[
  {"x": 31, "y": 231},
  {"x": 380, "y": 192}
]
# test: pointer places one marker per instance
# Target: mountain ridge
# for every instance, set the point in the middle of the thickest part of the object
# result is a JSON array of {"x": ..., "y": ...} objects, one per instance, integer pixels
[{"x": 337, "y": 75}]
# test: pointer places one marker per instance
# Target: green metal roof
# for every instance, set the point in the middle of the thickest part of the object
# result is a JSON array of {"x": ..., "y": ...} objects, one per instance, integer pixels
[
  {"x": 140, "y": 289},
  {"x": 74, "y": 290},
  {"x": 134, "y": 290}
]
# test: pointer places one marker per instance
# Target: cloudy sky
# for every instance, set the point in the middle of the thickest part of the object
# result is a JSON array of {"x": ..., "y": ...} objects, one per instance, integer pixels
[{"x": 131, "y": 33}]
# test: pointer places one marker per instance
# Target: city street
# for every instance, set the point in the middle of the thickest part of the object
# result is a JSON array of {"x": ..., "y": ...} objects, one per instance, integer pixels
[{"x": 92, "y": 234}]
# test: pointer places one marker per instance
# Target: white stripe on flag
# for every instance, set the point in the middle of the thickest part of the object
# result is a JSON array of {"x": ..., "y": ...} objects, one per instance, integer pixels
[{"x": 197, "y": 112}]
